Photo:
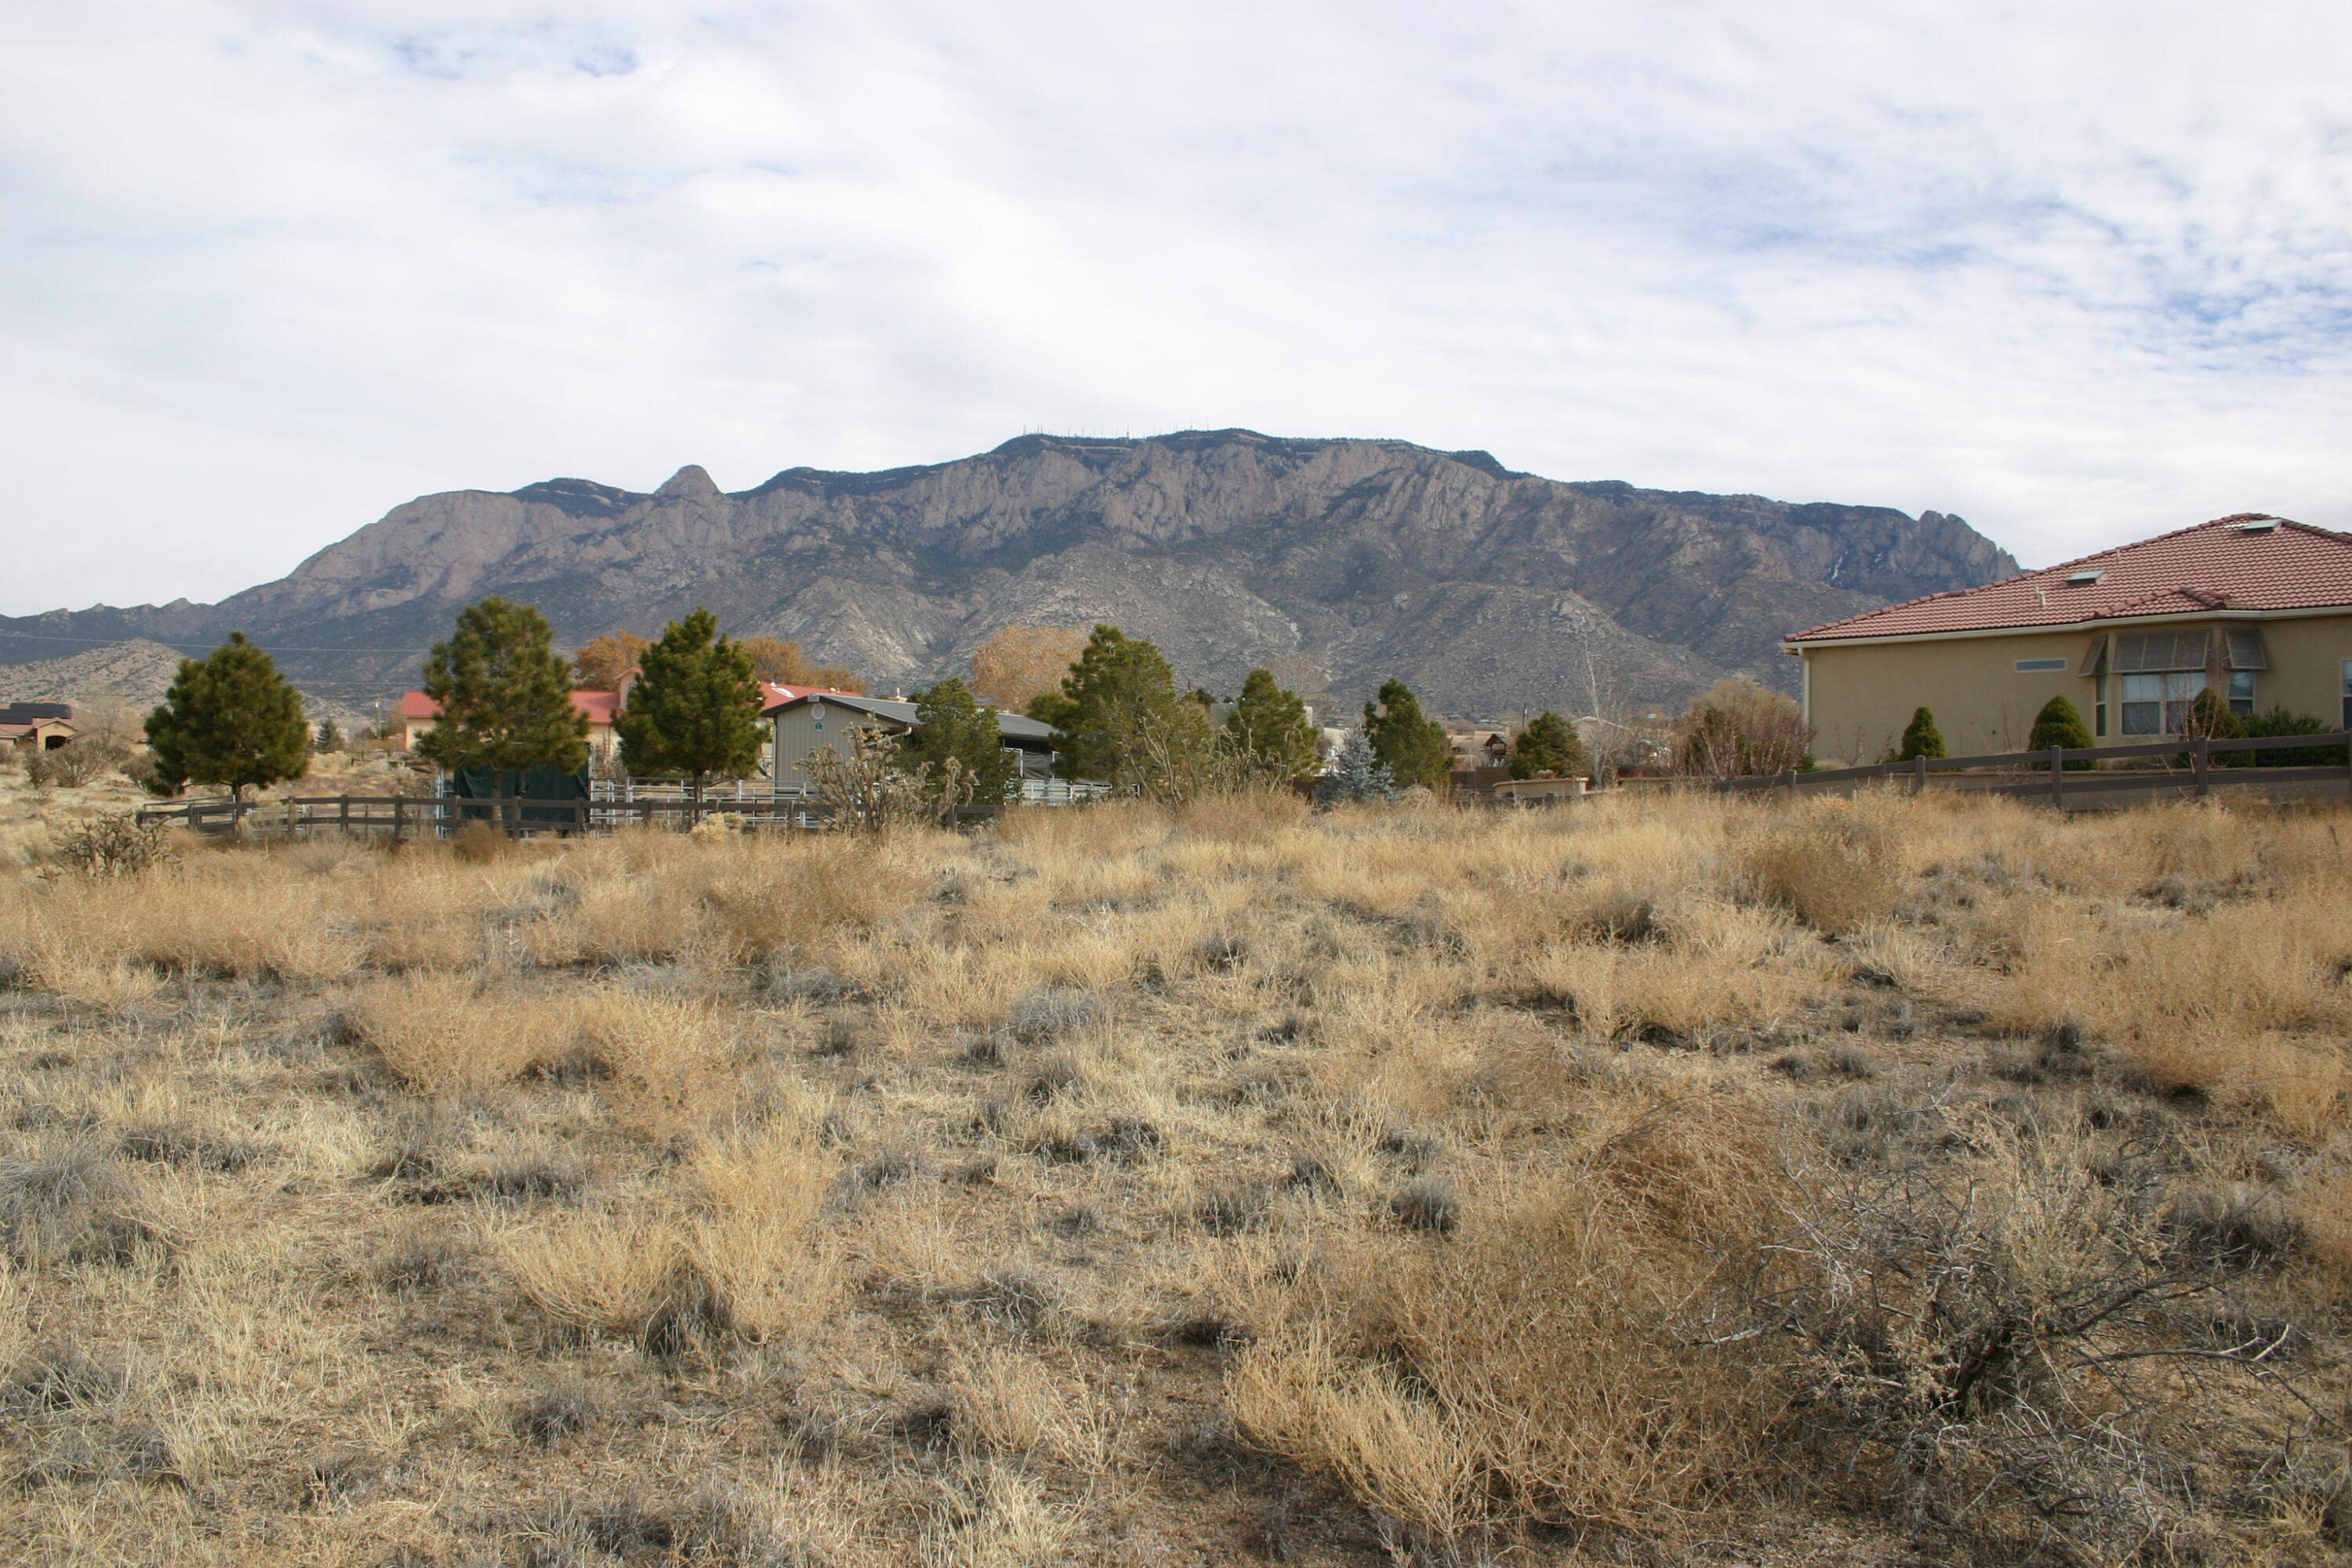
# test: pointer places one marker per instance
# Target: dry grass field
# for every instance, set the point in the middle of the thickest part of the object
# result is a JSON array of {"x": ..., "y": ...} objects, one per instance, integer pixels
[{"x": 1658, "y": 1182}]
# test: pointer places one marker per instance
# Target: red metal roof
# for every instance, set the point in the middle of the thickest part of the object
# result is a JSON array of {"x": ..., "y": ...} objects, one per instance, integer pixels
[{"x": 2216, "y": 565}]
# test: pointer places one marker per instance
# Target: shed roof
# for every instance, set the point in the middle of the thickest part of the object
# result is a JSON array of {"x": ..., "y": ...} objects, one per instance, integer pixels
[
  {"x": 2247, "y": 561},
  {"x": 1012, "y": 726}
]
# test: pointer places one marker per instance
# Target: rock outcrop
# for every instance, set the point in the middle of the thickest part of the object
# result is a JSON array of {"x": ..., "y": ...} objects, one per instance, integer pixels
[{"x": 1485, "y": 588}]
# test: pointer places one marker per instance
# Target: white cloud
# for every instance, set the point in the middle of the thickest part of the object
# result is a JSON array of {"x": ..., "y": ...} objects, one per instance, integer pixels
[{"x": 2080, "y": 273}]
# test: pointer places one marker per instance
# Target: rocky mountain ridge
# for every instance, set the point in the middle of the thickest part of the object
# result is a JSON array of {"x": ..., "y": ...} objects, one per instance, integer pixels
[{"x": 1486, "y": 588}]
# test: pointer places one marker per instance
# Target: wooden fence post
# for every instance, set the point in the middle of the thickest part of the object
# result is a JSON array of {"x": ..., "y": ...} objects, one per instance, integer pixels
[
  {"x": 2057, "y": 778},
  {"x": 1920, "y": 774},
  {"x": 2197, "y": 752},
  {"x": 1788, "y": 782}
]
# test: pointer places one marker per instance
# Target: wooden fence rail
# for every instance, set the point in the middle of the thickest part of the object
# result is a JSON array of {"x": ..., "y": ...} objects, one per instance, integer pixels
[
  {"x": 413, "y": 816},
  {"x": 2194, "y": 771},
  {"x": 419, "y": 816}
]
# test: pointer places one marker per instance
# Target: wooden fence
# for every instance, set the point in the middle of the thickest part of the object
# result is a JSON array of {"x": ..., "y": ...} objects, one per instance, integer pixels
[
  {"x": 2189, "y": 771},
  {"x": 432, "y": 817}
]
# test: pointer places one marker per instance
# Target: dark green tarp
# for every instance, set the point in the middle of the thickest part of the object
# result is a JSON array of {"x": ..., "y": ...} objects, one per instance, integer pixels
[{"x": 534, "y": 785}]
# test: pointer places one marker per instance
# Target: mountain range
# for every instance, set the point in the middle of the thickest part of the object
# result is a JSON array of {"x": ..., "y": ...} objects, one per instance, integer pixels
[{"x": 1485, "y": 588}]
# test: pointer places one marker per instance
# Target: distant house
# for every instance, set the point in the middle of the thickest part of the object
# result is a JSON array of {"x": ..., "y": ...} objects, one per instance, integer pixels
[
  {"x": 2256, "y": 608},
  {"x": 37, "y": 726},
  {"x": 809, "y": 719},
  {"x": 419, "y": 713}
]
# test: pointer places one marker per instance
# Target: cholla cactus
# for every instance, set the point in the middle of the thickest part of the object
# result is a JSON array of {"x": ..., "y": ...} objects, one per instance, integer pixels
[
  {"x": 866, "y": 791},
  {"x": 1356, "y": 774}
]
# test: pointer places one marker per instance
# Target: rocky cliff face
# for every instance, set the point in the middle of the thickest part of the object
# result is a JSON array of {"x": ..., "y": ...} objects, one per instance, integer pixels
[{"x": 1485, "y": 588}]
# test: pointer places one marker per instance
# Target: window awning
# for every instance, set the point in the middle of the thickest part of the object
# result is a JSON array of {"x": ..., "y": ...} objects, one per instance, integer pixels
[
  {"x": 2244, "y": 645},
  {"x": 2149, "y": 653},
  {"x": 2091, "y": 657}
]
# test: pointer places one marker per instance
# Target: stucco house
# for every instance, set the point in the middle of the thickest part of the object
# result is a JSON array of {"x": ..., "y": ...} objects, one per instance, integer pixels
[
  {"x": 419, "y": 713},
  {"x": 2256, "y": 608},
  {"x": 37, "y": 726},
  {"x": 809, "y": 719}
]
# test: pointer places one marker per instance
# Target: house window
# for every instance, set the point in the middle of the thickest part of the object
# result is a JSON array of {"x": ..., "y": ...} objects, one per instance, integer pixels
[
  {"x": 2241, "y": 691},
  {"x": 2037, "y": 666},
  {"x": 2158, "y": 704},
  {"x": 2348, "y": 693}
]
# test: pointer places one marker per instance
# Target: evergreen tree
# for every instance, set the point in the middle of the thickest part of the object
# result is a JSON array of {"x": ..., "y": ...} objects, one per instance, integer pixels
[
  {"x": 229, "y": 719},
  {"x": 330, "y": 739},
  {"x": 2060, "y": 723},
  {"x": 950, "y": 725},
  {"x": 1920, "y": 738},
  {"x": 1357, "y": 774},
  {"x": 2278, "y": 722},
  {"x": 1414, "y": 748},
  {"x": 1269, "y": 727},
  {"x": 1121, "y": 720},
  {"x": 1550, "y": 744},
  {"x": 505, "y": 695},
  {"x": 695, "y": 709}
]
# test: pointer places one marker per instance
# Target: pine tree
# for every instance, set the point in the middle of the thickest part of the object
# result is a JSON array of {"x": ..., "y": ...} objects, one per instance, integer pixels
[
  {"x": 1269, "y": 727},
  {"x": 2060, "y": 723},
  {"x": 330, "y": 739},
  {"x": 505, "y": 695},
  {"x": 229, "y": 719},
  {"x": 950, "y": 725},
  {"x": 1414, "y": 748},
  {"x": 1357, "y": 774},
  {"x": 694, "y": 707},
  {"x": 1920, "y": 738},
  {"x": 1121, "y": 720},
  {"x": 1548, "y": 744}
]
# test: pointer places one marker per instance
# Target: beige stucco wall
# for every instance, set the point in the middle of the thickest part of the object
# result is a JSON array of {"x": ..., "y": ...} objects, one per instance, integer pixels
[
  {"x": 1858, "y": 698},
  {"x": 599, "y": 736}
]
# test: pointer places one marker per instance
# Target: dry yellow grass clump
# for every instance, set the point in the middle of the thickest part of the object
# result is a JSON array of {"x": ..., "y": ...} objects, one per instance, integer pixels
[{"x": 1664, "y": 1180}]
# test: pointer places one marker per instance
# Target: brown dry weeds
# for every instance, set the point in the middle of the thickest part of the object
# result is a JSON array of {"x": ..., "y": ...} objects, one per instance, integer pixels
[{"x": 1657, "y": 1180}]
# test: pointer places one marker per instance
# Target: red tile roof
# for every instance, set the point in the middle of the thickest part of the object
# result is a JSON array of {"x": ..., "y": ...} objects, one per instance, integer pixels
[
  {"x": 599, "y": 705},
  {"x": 2216, "y": 565}
]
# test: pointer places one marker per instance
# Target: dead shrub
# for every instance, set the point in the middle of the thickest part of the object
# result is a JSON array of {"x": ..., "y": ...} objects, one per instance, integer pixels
[
  {"x": 71, "y": 1207},
  {"x": 2022, "y": 1350},
  {"x": 1832, "y": 869},
  {"x": 1559, "y": 1360},
  {"x": 609, "y": 1273},
  {"x": 664, "y": 1061},
  {"x": 564, "y": 1410},
  {"x": 61, "y": 1376},
  {"x": 806, "y": 891},
  {"x": 448, "y": 1034},
  {"x": 1242, "y": 816}
]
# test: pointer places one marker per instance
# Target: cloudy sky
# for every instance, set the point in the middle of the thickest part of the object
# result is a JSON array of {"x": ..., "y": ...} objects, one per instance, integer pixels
[{"x": 2079, "y": 272}]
